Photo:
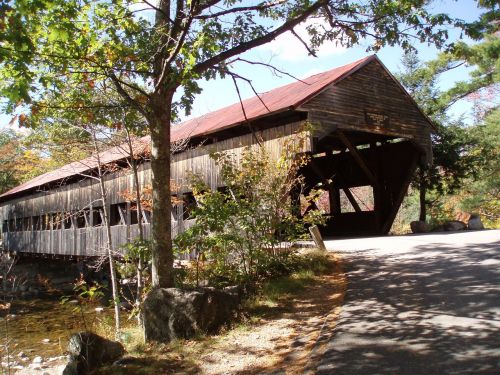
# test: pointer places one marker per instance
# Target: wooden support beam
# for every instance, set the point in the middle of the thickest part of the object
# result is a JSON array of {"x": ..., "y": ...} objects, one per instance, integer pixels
[
  {"x": 334, "y": 200},
  {"x": 123, "y": 219},
  {"x": 145, "y": 218},
  {"x": 358, "y": 158},
  {"x": 353, "y": 200},
  {"x": 386, "y": 227}
]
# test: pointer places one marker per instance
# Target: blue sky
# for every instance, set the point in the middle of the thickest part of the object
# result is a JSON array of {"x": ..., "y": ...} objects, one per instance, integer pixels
[{"x": 287, "y": 54}]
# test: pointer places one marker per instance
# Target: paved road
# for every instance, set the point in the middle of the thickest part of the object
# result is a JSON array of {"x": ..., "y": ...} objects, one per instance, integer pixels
[{"x": 427, "y": 304}]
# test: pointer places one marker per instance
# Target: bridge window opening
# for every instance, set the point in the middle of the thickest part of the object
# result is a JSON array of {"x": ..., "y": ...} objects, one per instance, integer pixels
[
  {"x": 5, "y": 226},
  {"x": 189, "y": 205},
  {"x": 323, "y": 202},
  {"x": 117, "y": 214},
  {"x": 27, "y": 224},
  {"x": 19, "y": 224},
  {"x": 97, "y": 217},
  {"x": 133, "y": 215},
  {"x": 35, "y": 221},
  {"x": 82, "y": 220},
  {"x": 67, "y": 220},
  {"x": 357, "y": 199},
  {"x": 43, "y": 222},
  {"x": 57, "y": 221},
  {"x": 12, "y": 226},
  {"x": 146, "y": 216}
]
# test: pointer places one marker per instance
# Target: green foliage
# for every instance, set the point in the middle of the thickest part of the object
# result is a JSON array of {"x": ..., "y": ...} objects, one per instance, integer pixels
[
  {"x": 19, "y": 163},
  {"x": 460, "y": 152},
  {"x": 240, "y": 231},
  {"x": 302, "y": 269},
  {"x": 482, "y": 194},
  {"x": 56, "y": 52},
  {"x": 136, "y": 257},
  {"x": 48, "y": 46}
]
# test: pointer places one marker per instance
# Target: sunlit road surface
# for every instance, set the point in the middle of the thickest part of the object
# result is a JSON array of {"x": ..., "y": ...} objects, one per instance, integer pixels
[{"x": 420, "y": 304}]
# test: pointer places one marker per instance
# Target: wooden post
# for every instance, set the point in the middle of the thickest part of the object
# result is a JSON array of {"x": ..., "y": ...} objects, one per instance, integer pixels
[
  {"x": 335, "y": 208},
  {"x": 316, "y": 236}
]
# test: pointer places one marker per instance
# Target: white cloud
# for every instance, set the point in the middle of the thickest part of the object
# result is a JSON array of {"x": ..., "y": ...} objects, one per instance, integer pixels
[{"x": 288, "y": 47}]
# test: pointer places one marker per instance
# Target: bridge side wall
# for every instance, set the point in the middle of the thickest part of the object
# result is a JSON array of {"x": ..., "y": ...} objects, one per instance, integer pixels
[{"x": 65, "y": 219}]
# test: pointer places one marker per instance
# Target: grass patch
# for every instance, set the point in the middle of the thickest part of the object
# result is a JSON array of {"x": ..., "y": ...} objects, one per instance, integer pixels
[
  {"x": 308, "y": 265},
  {"x": 274, "y": 297}
]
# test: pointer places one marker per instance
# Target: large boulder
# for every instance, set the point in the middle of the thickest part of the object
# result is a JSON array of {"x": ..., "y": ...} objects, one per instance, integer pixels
[
  {"x": 89, "y": 351},
  {"x": 475, "y": 222},
  {"x": 172, "y": 313},
  {"x": 454, "y": 225},
  {"x": 419, "y": 227}
]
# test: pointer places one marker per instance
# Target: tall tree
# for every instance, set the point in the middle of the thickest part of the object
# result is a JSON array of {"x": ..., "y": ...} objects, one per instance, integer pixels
[
  {"x": 456, "y": 147},
  {"x": 147, "y": 51}
]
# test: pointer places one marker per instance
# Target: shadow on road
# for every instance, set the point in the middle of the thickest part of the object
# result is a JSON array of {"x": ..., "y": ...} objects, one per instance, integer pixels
[{"x": 432, "y": 310}]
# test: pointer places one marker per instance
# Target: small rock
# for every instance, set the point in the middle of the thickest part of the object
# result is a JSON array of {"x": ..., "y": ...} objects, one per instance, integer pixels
[
  {"x": 475, "y": 222},
  {"x": 99, "y": 309},
  {"x": 88, "y": 351},
  {"x": 22, "y": 355},
  {"x": 46, "y": 341},
  {"x": 438, "y": 228},
  {"x": 454, "y": 225},
  {"x": 419, "y": 227},
  {"x": 37, "y": 360}
]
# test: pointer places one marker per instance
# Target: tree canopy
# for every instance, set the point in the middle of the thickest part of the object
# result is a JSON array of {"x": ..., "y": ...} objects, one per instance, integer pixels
[
  {"x": 461, "y": 152},
  {"x": 145, "y": 51}
]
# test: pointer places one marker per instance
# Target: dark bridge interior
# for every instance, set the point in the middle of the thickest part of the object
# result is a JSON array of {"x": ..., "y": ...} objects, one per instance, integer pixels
[{"x": 364, "y": 178}]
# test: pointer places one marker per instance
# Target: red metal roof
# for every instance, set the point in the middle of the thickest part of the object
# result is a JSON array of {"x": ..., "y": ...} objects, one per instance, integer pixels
[{"x": 283, "y": 98}]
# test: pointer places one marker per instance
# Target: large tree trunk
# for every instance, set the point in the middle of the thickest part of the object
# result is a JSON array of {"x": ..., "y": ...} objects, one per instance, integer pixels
[{"x": 162, "y": 254}]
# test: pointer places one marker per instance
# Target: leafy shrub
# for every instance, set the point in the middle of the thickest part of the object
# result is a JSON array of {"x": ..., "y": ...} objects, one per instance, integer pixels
[{"x": 242, "y": 233}]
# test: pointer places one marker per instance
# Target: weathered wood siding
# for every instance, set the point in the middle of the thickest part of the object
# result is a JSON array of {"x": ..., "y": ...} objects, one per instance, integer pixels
[
  {"x": 198, "y": 160},
  {"x": 370, "y": 92},
  {"x": 75, "y": 197}
]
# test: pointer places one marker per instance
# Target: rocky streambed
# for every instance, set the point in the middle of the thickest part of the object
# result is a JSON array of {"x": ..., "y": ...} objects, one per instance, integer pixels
[{"x": 34, "y": 332}]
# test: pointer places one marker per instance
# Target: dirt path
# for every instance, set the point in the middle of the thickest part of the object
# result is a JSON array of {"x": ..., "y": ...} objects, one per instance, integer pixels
[{"x": 286, "y": 337}]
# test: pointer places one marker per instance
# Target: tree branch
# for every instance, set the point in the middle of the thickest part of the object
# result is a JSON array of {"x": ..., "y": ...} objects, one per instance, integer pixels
[
  {"x": 243, "y": 47},
  {"x": 240, "y": 9},
  {"x": 243, "y": 110},
  {"x": 311, "y": 52},
  {"x": 126, "y": 96},
  {"x": 272, "y": 67}
]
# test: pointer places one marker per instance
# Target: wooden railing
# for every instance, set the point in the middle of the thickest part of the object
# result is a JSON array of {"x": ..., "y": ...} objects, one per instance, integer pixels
[{"x": 89, "y": 241}]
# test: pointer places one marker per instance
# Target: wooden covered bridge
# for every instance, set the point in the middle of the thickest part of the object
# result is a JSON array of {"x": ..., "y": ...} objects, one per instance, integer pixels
[{"x": 369, "y": 136}]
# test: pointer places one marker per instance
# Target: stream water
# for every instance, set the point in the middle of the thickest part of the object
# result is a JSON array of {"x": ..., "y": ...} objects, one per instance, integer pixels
[{"x": 41, "y": 326}]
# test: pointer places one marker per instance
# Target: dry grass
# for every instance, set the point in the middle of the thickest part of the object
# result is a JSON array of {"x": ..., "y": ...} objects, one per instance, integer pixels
[{"x": 285, "y": 332}]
